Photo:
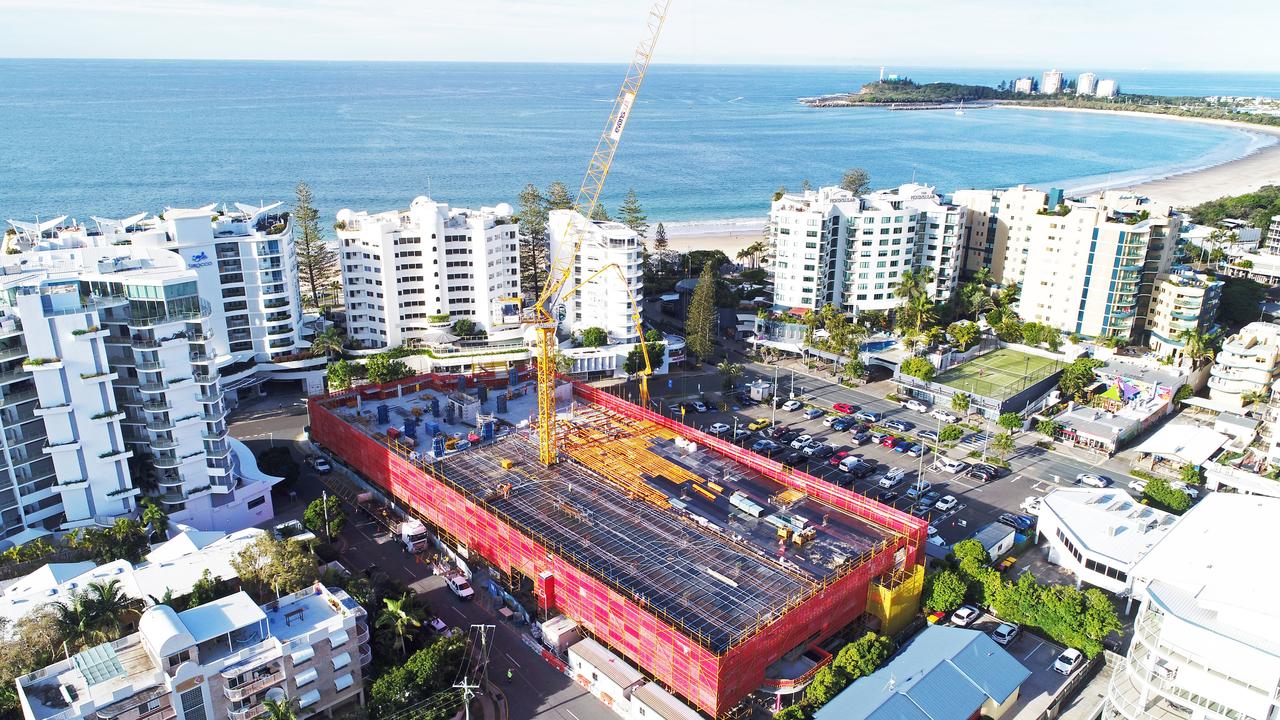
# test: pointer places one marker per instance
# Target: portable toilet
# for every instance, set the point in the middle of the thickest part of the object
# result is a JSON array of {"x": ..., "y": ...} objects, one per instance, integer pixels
[
  {"x": 513, "y": 376},
  {"x": 384, "y": 414},
  {"x": 462, "y": 383},
  {"x": 448, "y": 414},
  {"x": 482, "y": 392},
  {"x": 411, "y": 427},
  {"x": 437, "y": 446},
  {"x": 486, "y": 430},
  {"x": 501, "y": 403},
  {"x": 433, "y": 428}
]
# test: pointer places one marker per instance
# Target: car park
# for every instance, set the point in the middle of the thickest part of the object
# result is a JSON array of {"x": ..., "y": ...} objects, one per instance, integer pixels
[
  {"x": 965, "y": 615},
  {"x": 844, "y": 408},
  {"x": 1098, "y": 481},
  {"x": 944, "y": 416},
  {"x": 888, "y": 441},
  {"x": 860, "y": 438},
  {"x": 759, "y": 424},
  {"x": 840, "y": 424},
  {"x": 792, "y": 405},
  {"x": 916, "y": 405},
  {"x": 945, "y": 503},
  {"x": 739, "y": 435},
  {"x": 915, "y": 450},
  {"x": 1021, "y": 523},
  {"x": 822, "y": 452},
  {"x": 899, "y": 425},
  {"x": 799, "y": 442},
  {"x": 918, "y": 488},
  {"x": 1068, "y": 661},
  {"x": 929, "y": 499},
  {"x": 929, "y": 435},
  {"x": 868, "y": 416},
  {"x": 814, "y": 413},
  {"x": 698, "y": 406},
  {"x": 887, "y": 496},
  {"x": 718, "y": 428},
  {"x": 1005, "y": 633},
  {"x": 794, "y": 458}
]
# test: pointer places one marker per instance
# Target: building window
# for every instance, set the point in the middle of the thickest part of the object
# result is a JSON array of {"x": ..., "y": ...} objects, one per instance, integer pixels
[{"x": 256, "y": 502}]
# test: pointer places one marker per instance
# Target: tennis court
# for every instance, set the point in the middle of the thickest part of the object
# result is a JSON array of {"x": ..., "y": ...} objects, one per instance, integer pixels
[{"x": 1000, "y": 374}]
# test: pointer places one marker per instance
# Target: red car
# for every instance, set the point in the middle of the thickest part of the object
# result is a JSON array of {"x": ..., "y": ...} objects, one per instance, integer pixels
[
  {"x": 835, "y": 459},
  {"x": 888, "y": 441},
  {"x": 843, "y": 408}
]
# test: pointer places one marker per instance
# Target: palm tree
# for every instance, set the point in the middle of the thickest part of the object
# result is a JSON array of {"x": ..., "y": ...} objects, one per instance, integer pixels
[
  {"x": 73, "y": 618},
  {"x": 913, "y": 288},
  {"x": 743, "y": 254},
  {"x": 731, "y": 372},
  {"x": 107, "y": 605},
  {"x": 155, "y": 518},
  {"x": 1002, "y": 445},
  {"x": 1197, "y": 346},
  {"x": 280, "y": 709},
  {"x": 327, "y": 342},
  {"x": 960, "y": 403},
  {"x": 401, "y": 617}
]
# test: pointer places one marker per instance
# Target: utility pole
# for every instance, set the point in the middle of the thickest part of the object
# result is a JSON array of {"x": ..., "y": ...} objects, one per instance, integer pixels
[{"x": 467, "y": 685}]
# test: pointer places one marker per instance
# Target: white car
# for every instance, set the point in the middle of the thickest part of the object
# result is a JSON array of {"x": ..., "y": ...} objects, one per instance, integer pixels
[
  {"x": 826, "y": 421},
  {"x": 1005, "y": 633},
  {"x": 1068, "y": 661},
  {"x": 1187, "y": 490},
  {"x": 1098, "y": 481},
  {"x": 915, "y": 405},
  {"x": 718, "y": 429},
  {"x": 699, "y": 406},
  {"x": 791, "y": 405},
  {"x": 1031, "y": 505},
  {"x": 946, "y": 503},
  {"x": 965, "y": 615},
  {"x": 1139, "y": 486},
  {"x": 944, "y": 416},
  {"x": 800, "y": 442}
]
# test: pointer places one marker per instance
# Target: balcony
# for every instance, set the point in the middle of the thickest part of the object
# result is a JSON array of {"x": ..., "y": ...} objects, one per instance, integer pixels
[
  {"x": 221, "y": 485},
  {"x": 153, "y": 387},
  {"x": 150, "y": 366},
  {"x": 366, "y": 655},
  {"x": 175, "y": 317},
  {"x": 170, "y": 461},
  {"x": 258, "y": 684},
  {"x": 247, "y": 713},
  {"x": 164, "y": 444},
  {"x": 17, "y": 398},
  {"x": 210, "y": 396}
]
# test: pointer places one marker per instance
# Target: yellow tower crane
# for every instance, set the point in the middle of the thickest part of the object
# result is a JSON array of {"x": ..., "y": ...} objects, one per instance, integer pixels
[{"x": 561, "y": 273}]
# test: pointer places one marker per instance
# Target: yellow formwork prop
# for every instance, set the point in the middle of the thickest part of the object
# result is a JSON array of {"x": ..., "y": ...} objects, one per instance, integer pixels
[{"x": 895, "y": 598}]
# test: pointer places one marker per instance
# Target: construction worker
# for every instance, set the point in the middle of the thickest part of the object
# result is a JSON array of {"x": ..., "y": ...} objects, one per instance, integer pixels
[{"x": 509, "y": 676}]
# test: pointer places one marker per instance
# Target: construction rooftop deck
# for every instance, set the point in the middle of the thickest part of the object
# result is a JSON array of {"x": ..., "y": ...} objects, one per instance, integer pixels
[{"x": 636, "y": 506}]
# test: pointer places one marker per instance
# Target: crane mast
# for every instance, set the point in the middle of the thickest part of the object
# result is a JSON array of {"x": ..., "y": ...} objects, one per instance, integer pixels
[{"x": 587, "y": 199}]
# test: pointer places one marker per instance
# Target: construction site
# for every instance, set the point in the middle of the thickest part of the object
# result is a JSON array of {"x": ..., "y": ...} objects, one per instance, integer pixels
[{"x": 699, "y": 562}]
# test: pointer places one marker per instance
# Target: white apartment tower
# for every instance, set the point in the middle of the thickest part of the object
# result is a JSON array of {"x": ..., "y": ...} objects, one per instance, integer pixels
[
  {"x": 832, "y": 247},
  {"x": 605, "y": 302},
  {"x": 406, "y": 273},
  {"x": 124, "y": 348},
  {"x": 1024, "y": 85},
  {"x": 1051, "y": 82},
  {"x": 1108, "y": 88},
  {"x": 1086, "y": 83},
  {"x": 218, "y": 660}
]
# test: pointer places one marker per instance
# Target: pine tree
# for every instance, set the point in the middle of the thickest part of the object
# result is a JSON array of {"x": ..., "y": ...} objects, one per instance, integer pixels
[
  {"x": 533, "y": 239},
  {"x": 600, "y": 213},
  {"x": 660, "y": 238},
  {"x": 632, "y": 215},
  {"x": 699, "y": 326},
  {"x": 856, "y": 181},
  {"x": 558, "y": 197},
  {"x": 317, "y": 262}
]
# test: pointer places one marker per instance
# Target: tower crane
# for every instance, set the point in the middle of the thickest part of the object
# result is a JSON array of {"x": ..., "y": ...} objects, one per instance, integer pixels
[{"x": 541, "y": 315}]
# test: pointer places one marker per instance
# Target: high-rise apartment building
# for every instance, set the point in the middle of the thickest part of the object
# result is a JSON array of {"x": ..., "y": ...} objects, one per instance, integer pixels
[
  {"x": 1086, "y": 83},
  {"x": 605, "y": 302},
  {"x": 1247, "y": 365},
  {"x": 1204, "y": 640},
  {"x": 1024, "y": 85},
  {"x": 122, "y": 348},
  {"x": 217, "y": 660},
  {"x": 1085, "y": 266},
  {"x": 832, "y": 247},
  {"x": 1108, "y": 88},
  {"x": 1184, "y": 300},
  {"x": 1271, "y": 239},
  {"x": 1051, "y": 82},
  {"x": 405, "y": 271}
]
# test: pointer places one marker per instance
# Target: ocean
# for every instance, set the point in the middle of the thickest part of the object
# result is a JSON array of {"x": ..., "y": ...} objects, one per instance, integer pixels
[{"x": 705, "y": 143}]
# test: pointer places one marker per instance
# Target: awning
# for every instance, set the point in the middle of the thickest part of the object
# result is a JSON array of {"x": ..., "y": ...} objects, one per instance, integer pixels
[
  {"x": 306, "y": 676},
  {"x": 1190, "y": 444},
  {"x": 309, "y": 699},
  {"x": 341, "y": 661},
  {"x": 344, "y": 682},
  {"x": 303, "y": 655},
  {"x": 339, "y": 639}
]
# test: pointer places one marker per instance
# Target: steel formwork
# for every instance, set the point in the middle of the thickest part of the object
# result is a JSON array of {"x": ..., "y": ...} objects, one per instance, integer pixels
[{"x": 710, "y": 675}]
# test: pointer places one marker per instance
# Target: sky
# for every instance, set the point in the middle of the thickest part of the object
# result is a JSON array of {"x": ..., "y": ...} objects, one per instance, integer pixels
[{"x": 1112, "y": 34}]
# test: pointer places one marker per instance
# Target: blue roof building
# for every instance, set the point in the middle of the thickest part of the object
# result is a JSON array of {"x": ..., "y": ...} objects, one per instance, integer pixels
[{"x": 945, "y": 673}]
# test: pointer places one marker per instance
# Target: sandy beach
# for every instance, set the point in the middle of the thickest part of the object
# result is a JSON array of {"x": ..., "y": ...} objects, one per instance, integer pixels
[
  {"x": 1192, "y": 187},
  {"x": 1180, "y": 189}
]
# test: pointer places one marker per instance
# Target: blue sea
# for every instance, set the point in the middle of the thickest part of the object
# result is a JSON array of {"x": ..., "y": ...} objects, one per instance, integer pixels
[{"x": 111, "y": 138}]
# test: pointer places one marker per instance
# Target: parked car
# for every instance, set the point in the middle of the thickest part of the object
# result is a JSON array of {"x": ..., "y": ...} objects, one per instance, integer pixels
[
  {"x": 794, "y": 458},
  {"x": 888, "y": 441},
  {"x": 860, "y": 438},
  {"x": 1099, "y": 481},
  {"x": 1138, "y": 486},
  {"x": 822, "y": 452},
  {"x": 1005, "y": 633},
  {"x": 786, "y": 437},
  {"x": 718, "y": 429},
  {"x": 890, "y": 481},
  {"x": 459, "y": 586},
  {"x": 915, "y": 450},
  {"x": 920, "y": 510},
  {"x": 1021, "y": 523},
  {"x": 739, "y": 435},
  {"x": 897, "y": 474},
  {"x": 698, "y": 406},
  {"x": 800, "y": 441},
  {"x": 929, "y": 499},
  {"x": 965, "y": 615},
  {"x": 814, "y": 413},
  {"x": 759, "y": 424},
  {"x": 993, "y": 469},
  {"x": 829, "y": 420},
  {"x": 928, "y": 435},
  {"x": 1186, "y": 489},
  {"x": 844, "y": 408},
  {"x": 887, "y": 496},
  {"x": 900, "y": 445},
  {"x": 982, "y": 474},
  {"x": 792, "y": 405},
  {"x": 319, "y": 463},
  {"x": 868, "y": 416},
  {"x": 1006, "y": 563},
  {"x": 918, "y": 488},
  {"x": 837, "y": 458},
  {"x": 1031, "y": 505},
  {"x": 840, "y": 424},
  {"x": 744, "y": 400},
  {"x": 857, "y": 467},
  {"x": 877, "y": 436},
  {"x": 944, "y": 416},
  {"x": 899, "y": 425},
  {"x": 1068, "y": 661},
  {"x": 811, "y": 447},
  {"x": 763, "y": 446},
  {"x": 947, "y": 502},
  {"x": 916, "y": 405}
]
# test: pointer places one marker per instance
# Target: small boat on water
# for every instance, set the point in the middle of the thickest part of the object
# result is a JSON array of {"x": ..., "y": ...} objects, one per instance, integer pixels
[{"x": 960, "y": 110}]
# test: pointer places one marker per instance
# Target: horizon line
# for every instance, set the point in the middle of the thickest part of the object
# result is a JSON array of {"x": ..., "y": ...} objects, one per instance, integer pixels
[{"x": 408, "y": 61}]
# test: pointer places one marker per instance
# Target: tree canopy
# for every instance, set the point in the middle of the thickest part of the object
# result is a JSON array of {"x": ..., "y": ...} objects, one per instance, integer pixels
[
  {"x": 918, "y": 367},
  {"x": 317, "y": 262},
  {"x": 856, "y": 181},
  {"x": 701, "y": 320},
  {"x": 1078, "y": 376}
]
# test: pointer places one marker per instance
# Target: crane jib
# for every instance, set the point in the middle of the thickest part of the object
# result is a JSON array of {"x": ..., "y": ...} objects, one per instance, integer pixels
[{"x": 624, "y": 109}]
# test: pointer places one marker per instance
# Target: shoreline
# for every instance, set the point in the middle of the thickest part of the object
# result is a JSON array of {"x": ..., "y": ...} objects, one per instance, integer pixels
[{"x": 1183, "y": 188}]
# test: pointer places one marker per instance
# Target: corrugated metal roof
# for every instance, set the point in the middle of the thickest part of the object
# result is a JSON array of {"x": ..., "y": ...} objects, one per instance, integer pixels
[
  {"x": 612, "y": 666},
  {"x": 945, "y": 692}
]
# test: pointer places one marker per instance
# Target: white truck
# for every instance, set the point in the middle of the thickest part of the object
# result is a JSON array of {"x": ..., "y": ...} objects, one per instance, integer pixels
[{"x": 413, "y": 536}]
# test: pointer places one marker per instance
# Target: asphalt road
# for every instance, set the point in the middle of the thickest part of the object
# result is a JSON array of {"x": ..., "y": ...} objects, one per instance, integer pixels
[{"x": 1033, "y": 471}]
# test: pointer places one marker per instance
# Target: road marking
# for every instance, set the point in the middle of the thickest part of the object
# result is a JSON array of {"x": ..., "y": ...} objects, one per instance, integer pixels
[
  {"x": 1033, "y": 650},
  {"x": 1016, "y": 479},
  {"x": 513, "y": 660},
  {"x": 460, "y": 613},
  {"x": 575, "y": 717}
]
